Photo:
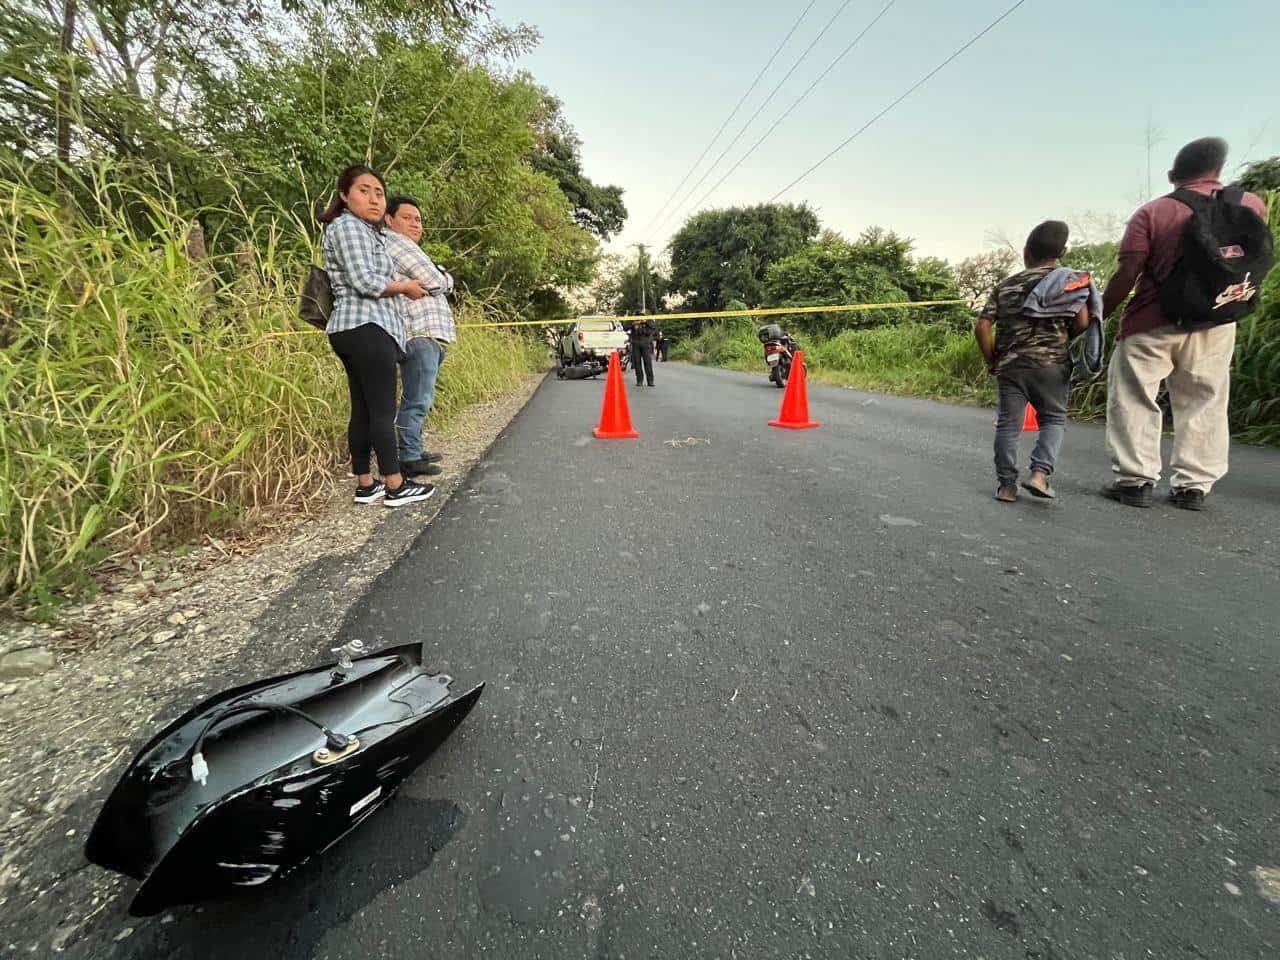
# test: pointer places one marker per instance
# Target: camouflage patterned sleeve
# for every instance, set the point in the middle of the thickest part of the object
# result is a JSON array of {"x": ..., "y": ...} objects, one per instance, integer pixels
[{"x": 989, "y": 311}]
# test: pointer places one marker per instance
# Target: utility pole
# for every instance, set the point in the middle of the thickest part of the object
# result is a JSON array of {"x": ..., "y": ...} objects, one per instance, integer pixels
[{"x": 644, "y": 280}]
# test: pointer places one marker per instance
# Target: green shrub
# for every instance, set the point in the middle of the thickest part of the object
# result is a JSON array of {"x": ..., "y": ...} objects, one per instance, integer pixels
[
  {"x": 152, "y": 398},
  {"x": 934, "y": 355}
]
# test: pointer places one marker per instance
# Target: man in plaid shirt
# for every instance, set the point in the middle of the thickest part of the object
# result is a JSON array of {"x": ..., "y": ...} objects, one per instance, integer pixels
[{"x": 428, "y": 329}]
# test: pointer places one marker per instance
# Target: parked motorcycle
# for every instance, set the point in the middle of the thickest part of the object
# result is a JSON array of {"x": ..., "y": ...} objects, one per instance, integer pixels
[{"x": 779, "y": 350}]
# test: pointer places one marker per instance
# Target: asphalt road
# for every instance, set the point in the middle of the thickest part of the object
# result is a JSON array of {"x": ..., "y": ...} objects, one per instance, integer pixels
[{"x": 813, "y": 694}]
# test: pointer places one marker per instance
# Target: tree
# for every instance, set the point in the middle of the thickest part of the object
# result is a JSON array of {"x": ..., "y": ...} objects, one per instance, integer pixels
[
  {"x": 120, "y": 76},
  {"x": 452, "y": 133},
  {"x": 1261, "y": 176},
  {"x": 656, "y": 288},
  {"x": 832, "y": 271},
  {"x": 876, "y": 268},
  {"x": 720, "y": 255},
  {"x": 595, "y": 208},
  {"x": 978, "y": 275},
  {"x": 600, "y": 294},
  {"x": 1097, "y": 259}
]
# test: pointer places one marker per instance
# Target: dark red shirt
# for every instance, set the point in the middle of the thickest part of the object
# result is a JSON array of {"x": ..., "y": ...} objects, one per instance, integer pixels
[{"x": 1151, "y": 244}]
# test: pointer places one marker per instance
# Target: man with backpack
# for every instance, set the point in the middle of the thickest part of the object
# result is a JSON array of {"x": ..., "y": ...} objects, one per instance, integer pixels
[{"x": 1198, "y": 257}]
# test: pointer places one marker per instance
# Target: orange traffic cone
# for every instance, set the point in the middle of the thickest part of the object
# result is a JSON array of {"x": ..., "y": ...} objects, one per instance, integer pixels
[
  {"x": 615, "y": 417},
  {"x": 1029, "y": 422},
  {"x": 795, "y": 401}
]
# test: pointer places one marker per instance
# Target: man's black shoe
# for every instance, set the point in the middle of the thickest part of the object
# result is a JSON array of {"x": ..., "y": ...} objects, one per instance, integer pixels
[
  {"x": 420, "y": 468},
  {"x": 425, "y": 457},
  {"x": 1130, "y": 494},
  {"x": 1187, "y": 499}
]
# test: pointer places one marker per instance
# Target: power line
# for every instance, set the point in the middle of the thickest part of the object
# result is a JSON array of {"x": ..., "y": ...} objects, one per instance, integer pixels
[
  {"x": 800, "y": 99},
  {"x": 705, "y": 150},
  {"x": 910, "y": 90},
  {"x": 751, "y": 119}
]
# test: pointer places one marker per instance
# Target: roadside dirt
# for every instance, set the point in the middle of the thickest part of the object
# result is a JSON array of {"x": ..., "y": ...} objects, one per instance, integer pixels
[{"x": 78, "y": 699}]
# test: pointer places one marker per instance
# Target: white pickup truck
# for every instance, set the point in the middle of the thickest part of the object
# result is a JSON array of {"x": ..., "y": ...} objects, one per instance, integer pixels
[{"x": 590, "y": 341}]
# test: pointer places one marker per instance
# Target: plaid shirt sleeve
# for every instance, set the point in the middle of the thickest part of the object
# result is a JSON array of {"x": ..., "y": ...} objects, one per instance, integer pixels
[
  {"x": 410, "y": 261},
  {"x": 360, "y": 271},
  {"x": 430, "y": 316},
  {"x": 361, "y": 259}
]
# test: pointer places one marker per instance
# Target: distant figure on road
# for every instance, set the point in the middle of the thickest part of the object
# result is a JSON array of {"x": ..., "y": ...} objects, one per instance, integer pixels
[
  {"x": 1191, "y": 349},
  {"x": 366, "y": 331},
  {"x": 429, "y": 331},
  {"x": 641, "y": 333},
  {"x": 660, "y": 345},
  {"x": 1024, "y": 333}
]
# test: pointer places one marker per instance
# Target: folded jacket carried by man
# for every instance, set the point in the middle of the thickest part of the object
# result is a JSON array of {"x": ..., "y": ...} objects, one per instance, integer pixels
[{"x": 1061, "y": 294}]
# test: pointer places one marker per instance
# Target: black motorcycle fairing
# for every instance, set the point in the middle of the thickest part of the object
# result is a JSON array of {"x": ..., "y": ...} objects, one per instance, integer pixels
[{"x": 268, "y": 804}]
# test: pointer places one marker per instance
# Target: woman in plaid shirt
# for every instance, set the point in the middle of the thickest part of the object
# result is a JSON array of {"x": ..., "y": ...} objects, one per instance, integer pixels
[{"x": 366, "y": 332}]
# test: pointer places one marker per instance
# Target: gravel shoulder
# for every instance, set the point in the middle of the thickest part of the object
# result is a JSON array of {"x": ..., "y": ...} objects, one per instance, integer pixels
[{"x": 78, "y": 698}]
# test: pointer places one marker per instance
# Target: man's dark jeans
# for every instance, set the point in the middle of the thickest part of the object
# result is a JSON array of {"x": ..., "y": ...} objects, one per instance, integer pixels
[
  {"x": 642, "y": 360},
  {"x": 1046, "y": 389}
]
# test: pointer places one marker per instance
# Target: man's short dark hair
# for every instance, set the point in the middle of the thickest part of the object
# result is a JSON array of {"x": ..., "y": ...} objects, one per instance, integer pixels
[
  {"x": 1048, "y": 241},
  {"x": 1199, "y": 158},
  {"x": 395, "y": 203}
]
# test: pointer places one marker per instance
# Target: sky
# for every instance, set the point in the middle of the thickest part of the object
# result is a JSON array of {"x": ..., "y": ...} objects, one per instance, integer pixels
[{"x": 1046, "y": 117}]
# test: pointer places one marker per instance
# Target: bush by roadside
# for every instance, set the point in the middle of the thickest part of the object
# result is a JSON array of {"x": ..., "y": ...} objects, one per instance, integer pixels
[
  {"x": 915, "y": 358},
  {"x": 153, "y": 394},
  {"x": 923, "y": 357}
]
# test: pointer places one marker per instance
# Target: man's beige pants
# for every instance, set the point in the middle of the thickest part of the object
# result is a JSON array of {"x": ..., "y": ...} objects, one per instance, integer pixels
[{"x": 1197, "y": 367}]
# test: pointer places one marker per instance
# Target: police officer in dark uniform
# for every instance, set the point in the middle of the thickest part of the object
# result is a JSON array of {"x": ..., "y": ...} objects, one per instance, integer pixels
[{"x": 641, "y": 333}]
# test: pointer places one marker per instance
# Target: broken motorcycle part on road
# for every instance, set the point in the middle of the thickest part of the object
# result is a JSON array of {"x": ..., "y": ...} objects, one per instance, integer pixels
[{"x": 253, "y": 782}]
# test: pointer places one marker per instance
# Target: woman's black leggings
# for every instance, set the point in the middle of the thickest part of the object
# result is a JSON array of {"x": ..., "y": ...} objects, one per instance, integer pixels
[{"x": 369, "y": 355}]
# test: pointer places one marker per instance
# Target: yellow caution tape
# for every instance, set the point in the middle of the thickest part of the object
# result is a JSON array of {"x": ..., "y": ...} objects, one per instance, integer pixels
[
  {"x": 708, "y": 315},
  {"x": 757, "y": 312}
]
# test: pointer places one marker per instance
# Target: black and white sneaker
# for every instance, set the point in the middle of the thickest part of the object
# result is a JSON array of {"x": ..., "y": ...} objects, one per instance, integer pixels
[
  {"x": 408, "y": 492},
  {"x": 372, "y": 493}
]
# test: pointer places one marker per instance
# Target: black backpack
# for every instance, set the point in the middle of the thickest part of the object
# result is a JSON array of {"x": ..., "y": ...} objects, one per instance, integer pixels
[
  {"x": 1226, "y": 253},
  {"x": 316, "y": 302}
]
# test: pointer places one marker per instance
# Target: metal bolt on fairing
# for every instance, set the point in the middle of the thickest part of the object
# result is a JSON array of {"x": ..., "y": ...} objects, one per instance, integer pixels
[{"x": 350, "y": 649}]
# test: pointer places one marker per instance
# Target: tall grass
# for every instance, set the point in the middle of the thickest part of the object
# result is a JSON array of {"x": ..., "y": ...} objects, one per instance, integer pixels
[{"x": 150, "y": 398}]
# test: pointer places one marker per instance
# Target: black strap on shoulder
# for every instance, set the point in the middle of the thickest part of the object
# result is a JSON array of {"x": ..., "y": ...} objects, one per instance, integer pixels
[
  {"x": 1233, "y": 194},
  {"x": 1189, "y": 198}
]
